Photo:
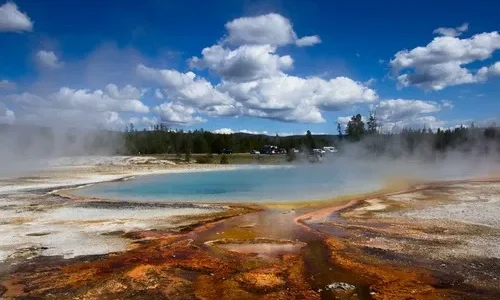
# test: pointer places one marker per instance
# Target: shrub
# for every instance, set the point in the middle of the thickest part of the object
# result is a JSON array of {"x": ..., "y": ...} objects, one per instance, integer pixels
[{"x": 224, "y": 160}]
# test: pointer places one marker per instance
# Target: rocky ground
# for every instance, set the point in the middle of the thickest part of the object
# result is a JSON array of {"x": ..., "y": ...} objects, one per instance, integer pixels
[
  {"x": 49, "y": 225},
  {"x": 449, "y": 230}
]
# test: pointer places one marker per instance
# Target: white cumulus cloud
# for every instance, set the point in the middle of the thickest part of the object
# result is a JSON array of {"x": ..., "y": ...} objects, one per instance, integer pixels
[
  {"x": 443, "y": 61},
  {"x": 308, "y": 41},
  {"x": 457, "y": 31},
  {"x": 269, "y": 29},
  {"x": 13, "y": 20},
  {"x": 395, "y": 114},
  {"x": 177, "y": 114},
  {"x": 247, "y": 62},
  {"x": 229, "y": 110},
  {"x": 447, "y": 104},
  {"x": 48, "y": 59},
  {"x": 280, "y": 97},
  {"x": 224, "y": 131},
  {"x": 81, "y": 99},
  {"x": 486, "y": 72},
  {"x": 287, "y": 92},
  {"x": 112, "y": 119},
  {"x": 185, "y": 87},
  {"x": 127, "y": 92},
  {"x": 80, "y": 107},
  {"x": 415, "y": 122},
  {"x": 399, "y": 109},
  {"x": 295, "y": 99},
  {"x": 263, "y": 132},
  {"x": 146, "y": 122},
  {"x": 96, "y": 100}
]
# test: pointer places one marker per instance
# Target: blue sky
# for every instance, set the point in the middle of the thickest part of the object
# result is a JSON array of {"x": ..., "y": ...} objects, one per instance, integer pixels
[{"x": 256, "y": 66}]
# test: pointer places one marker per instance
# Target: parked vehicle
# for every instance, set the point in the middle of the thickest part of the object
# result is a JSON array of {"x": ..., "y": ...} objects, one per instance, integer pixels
[
  {"x": 319, "y": 151},
  {"x": 330, "y": 149},
  {"x": 225, "y": 151},
  {"x": 270, "y": 149},
  {"x": 254, "y": 152}
]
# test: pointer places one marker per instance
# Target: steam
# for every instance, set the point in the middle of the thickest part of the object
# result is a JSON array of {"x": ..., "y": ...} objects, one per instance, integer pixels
[
  {"x": 44, "y": 130},
  {"x": 24, "y": 149},
  {"x": 391, "y": 156}
]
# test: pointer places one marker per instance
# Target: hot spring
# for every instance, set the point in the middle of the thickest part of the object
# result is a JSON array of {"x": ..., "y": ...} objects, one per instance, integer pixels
[{"x": 266, "y": 184}]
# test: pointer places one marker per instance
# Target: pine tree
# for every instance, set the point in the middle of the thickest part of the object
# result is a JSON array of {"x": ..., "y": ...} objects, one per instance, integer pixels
[
  {"x": 187, "y": 147},
  {"x": 355, "y": 128},
  {"x": 339, "y": 130},
  {"x": 372, "y": 124},
  {"x": 310, "y": 143}
]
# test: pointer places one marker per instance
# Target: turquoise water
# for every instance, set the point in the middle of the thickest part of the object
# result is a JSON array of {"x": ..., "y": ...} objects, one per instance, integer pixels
[
  {"x": 297, "y": 183},
  {"x": 240, "y": 185},
  {"x": 269, "y": 184}
]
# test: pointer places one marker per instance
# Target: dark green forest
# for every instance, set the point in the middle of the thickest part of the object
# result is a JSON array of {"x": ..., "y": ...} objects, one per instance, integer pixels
[{"x": 162, "y": 140}]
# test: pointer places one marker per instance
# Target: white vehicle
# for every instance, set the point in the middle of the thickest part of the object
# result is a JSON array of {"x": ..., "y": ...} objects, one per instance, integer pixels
[
  {"x": 330, "y": 149},
  {"x": 319, "y": 151}
]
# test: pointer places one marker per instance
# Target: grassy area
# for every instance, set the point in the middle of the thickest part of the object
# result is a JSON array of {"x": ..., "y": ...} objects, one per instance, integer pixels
[{"x": 235, "y": 158}]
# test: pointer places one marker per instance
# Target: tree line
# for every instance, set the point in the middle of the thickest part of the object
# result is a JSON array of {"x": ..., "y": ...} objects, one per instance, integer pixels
[
  {"x": 363, "y": 136},
  {"x": 161, "y": 139}
]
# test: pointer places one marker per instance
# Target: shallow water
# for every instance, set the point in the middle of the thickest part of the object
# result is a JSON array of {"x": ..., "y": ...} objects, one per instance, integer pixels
[{"x": 264, "y": 250}]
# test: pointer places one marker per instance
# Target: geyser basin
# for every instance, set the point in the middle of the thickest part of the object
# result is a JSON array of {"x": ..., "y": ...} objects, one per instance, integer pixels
[{"x": 250, "y": 184}]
